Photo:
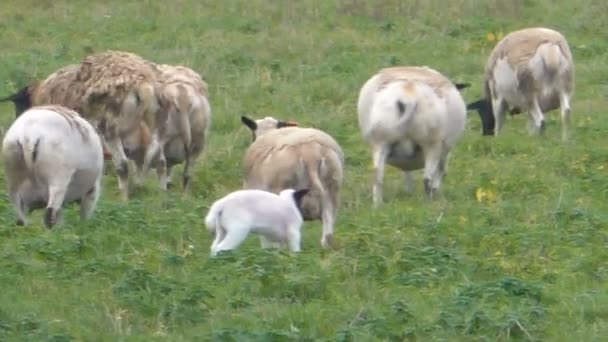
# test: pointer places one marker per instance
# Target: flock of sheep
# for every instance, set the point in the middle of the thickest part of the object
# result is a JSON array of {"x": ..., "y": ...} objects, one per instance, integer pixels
[{"x": 119, "y": 106}]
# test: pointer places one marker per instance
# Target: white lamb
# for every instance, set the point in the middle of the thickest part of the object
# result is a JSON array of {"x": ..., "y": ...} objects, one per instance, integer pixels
[
  {"x": 412, "y": 117},
  {"x": 529, "y": 70},
  {"x": 51, "y": 157},
  {"x": 276, "y": 218}
]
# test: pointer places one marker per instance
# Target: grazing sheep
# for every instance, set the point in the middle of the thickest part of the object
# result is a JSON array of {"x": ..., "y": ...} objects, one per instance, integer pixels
[
  {"x": 184, "y": 96},
  {"x": 529, "y": 70},
  {"x": 51, "y": 157},
  {"x": 113, "y": 90},
  {"x": 282, "y": 156},
  {"x": 412, "y": 117},
  {"x": 275, "y": 217}
]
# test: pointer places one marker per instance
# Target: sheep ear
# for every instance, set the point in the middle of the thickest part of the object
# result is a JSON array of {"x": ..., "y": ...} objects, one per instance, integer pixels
[
  {"x": 249, "y": 123},
  {"x": 461, "y": 86},
  {"x": 477, "y": 105},
  {"x": 297, "y": 196},
  {"x": 282, "y": 124}
]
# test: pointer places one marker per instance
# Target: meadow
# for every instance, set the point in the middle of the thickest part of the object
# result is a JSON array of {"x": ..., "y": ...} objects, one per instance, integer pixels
[{"x": 516, "y": 248}]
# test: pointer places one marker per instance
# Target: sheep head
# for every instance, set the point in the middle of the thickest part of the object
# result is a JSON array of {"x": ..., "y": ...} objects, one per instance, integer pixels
[
  {"x": 22, "y": 99},
  {"x": 262, "y": 126},
  {"x": 296, "y": 195},
  {"x": 486, "y": 114}
]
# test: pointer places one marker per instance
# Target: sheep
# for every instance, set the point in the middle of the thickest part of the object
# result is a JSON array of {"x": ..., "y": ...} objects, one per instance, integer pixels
[
  {"x": 412, "y": 117},
  {"x": 276, "y": 218},
  {"x": 283, "y": 155},
  {"x": 184, "y": 96},
  {"x": 51, "y": 157},
  {"x": 114, "y": 90},
  {"x": 529, "y": 70}
]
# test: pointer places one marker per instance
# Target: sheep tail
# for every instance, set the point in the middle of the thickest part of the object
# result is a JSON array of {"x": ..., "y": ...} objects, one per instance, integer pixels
[
  {"x": 313, "y": 172},
  {"x": 212, "y": 220},
  {"x": 183, "y": 107},
  {"x": 551, "y": 57},
  {"x": 29, "y": 150},
  {"x": 148, "y": 108}
]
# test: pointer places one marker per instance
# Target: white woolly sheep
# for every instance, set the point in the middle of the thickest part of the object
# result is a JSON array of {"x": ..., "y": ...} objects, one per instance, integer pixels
[
  {"x": 412, "y": 117},
  {"x": 51, "y": 157},
  {"x": 282, "y": 156},
  {"x": 529, "y": 70},
  {"x": 276, "y": 218},
  {"x": 183, "y": 95}
]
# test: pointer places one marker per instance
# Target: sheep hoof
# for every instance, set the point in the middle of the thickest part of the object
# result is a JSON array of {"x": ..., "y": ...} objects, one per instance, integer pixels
[
  {"x": 543, "y": 126},
  {"x": 49, "y": 218},
  {"x": 327, "y": 241},
  {"x": 427, "y": 186}
]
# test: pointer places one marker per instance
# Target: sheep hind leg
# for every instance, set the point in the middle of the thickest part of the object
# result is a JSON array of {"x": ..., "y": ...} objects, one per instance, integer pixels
[
  {"x": 432, "y": 170},
  {"x": 328, "y": 214},
  {"x": 121, "y": 164},
  {"x": 536, "y": 122},
  {"x": 89, "y": 201},
  {"x": 187, "y": 170},
  {"x": 220, "y": 234},
  {"x": 18, "y": 205},
  {"x": 57, "y": 193},
  {"x": 566, "y": 113},
  {"x": 380, "y": 155},
  {"x": 499, "y": 110},
  {"x": 234, "y": 237}
]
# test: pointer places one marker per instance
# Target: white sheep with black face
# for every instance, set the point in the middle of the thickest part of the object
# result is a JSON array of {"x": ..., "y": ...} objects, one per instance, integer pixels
[
  {"x": 275, "y": 217},
  {"x": 412, "y": 117},
  {"x": 529, "y": 70},
  {"x": 51, "y": 157}
]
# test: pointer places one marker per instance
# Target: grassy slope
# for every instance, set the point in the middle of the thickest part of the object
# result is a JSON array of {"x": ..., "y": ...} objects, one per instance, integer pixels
[{"x": 528, "y": 261}]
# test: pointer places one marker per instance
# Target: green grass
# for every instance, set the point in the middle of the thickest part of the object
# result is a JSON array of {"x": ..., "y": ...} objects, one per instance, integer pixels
[{"x": 529, "y": 261}]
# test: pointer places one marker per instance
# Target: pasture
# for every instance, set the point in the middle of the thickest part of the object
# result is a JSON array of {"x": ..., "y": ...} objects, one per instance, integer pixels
[{"x": 516, "y": 248}]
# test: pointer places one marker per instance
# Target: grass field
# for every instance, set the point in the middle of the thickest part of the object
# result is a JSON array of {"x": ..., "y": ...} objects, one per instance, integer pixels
[{"x": 517, "y": 248}]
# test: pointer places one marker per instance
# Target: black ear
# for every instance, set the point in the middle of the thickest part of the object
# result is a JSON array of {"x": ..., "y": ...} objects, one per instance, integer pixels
[
  {"x": 297, "y": 196},
  {"x": 282, "y": 124},
  {"x": 477, "y": 105},
  {"x": 461, "y": 86},
  {"x": 249, "y": 123}
]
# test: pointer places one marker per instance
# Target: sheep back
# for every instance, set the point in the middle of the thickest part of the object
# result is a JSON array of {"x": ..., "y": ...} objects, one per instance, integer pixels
[
  {"x": 110, "y": 78},
  {"x": 60, "y": 88}
]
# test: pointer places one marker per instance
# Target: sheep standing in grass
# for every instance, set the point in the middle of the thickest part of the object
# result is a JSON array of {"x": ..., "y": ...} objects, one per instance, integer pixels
[
  {"x": 412, "y": 117},
  {"x": 183, "y": 95},
  {"x": 282, "y": 156},
  {"x": 529, "y": 70},
  {"x": 113, "y": 90},
  {"x": 51, "y": 157},
  {"x": 276, "y": 218}
]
